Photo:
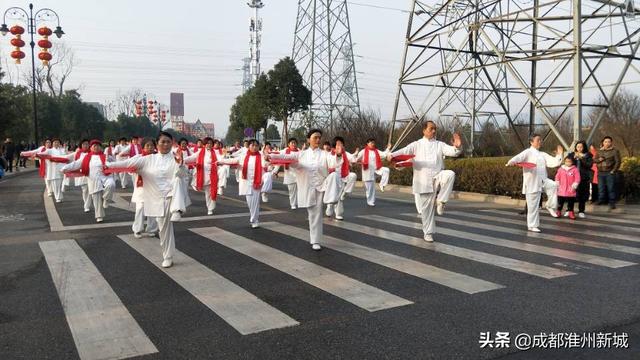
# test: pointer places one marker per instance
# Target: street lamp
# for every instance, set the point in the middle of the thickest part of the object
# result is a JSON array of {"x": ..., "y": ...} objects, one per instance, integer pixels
[{"x": 32, "y": 19}]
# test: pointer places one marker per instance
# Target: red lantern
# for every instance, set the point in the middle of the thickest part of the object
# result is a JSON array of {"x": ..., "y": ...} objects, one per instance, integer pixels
[
  {"x": 45, "y": 31},
  {"x": 17, "y": 30},
  {"x": 44, "y": 56},
  {"x": 17, "y": 42},
  {"x": 45, "y": 44},
  {"x": 17, "y": 55}
]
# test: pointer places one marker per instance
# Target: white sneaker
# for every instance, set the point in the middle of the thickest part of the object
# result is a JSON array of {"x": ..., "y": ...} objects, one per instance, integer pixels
[
  {"x": 265, "y": 197},
  {"x": 534, "y": 229},
  {"x": 87, "y": 210},
  {"x": 209, "y": 212},
  {"x": 50, "y": 194},
  {"x": 552, "y": 212},
  {"x": 371, "y": 204},
  {"x": 153, "y": 234},
  {"x": 99, "y": 220},
  {"x": 343, "y": 196},
  {"x": 428, "y": 238},
  {"x": 176, "y": 216},
  {"x": 105, "y": 204},
  {"x": 566, "y": 214},
  {"x": 137, "y": 235},
  {"x": 58, "y": 200},
  {"x": 255, "y": 225},
  {"x": 167, "y": 263},
  {"x": 381, "y": 188},
  {"x": 294, "y": 207},
  {"x": 316, "y": 247},
  {"x": 582, "y": 215},
  {"x": 440, "y": 208},
  {"x": 220, "y": 191},
  {"x": 339, "y": 217}
]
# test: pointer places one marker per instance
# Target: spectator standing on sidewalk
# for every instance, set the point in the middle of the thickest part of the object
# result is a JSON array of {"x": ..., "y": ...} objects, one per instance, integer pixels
[
  {"x": 608, "y": 161},
  {"x": 9, "y": 152},
  {"x": 584, "y": 162},
  {"x": 594, "y": 168}
]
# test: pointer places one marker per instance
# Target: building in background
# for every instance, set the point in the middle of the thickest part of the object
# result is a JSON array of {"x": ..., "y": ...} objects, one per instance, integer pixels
[
  {"x": 100, "y": 107},
  {"x": 199, "y": 129},
  {"x": 177, "y": 111}
]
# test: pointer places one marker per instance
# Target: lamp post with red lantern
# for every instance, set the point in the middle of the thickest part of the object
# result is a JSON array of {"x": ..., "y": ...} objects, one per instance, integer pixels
[
  {"x": 31, "y": 18},
  {"x": 153, "y": 110}
]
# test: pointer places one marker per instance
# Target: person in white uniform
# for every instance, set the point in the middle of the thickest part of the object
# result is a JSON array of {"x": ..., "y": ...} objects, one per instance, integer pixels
[
  {"x": 120, "y": 153},
  {"x": 290, "y": 175},
  {"x": 148, "y": 148},
  {"x": 535, "y": 180},
  {"x": 348, "y": 179},
  {"x": 160, "y": 172},
  {"x": 429, "y": 179},
  {"x": 42, "y": 169},
  {"x": 371, "y": 159},
  {"x": 223, "y": 170},
  {"x": 316, "y": 184},
  {"x": 54, "y": 176},
  {"x": 83, "y": 181},
  {"x": 205, "y": 178},
  {"x": 269, "y": 172},
  {"x": 254, "y": 178},
  {"x": 100, "y": 186}
]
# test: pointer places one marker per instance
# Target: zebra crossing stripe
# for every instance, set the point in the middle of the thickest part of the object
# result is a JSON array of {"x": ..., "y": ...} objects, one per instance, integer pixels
[
  {"x": 346, "y": 288},
  {"x": 460, "y": 282},
  {"x": 550, "y": 237},
  {"x": 101, "y": 326},
  {"x": 548, "y": 225},
  {"x": 543, "y": 271},
  {"x": 539, "y": 249},
  {"x": 239, "y": 308}
]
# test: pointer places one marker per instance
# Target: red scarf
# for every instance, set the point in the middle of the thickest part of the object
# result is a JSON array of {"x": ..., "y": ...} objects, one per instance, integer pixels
[
  {"x": 365, "y": 162},
  {"x": 257, "y": 175},
  {"x": 344, "y": 169},
  {"x": 43, "y": 170},
  {"x": 84, "y": 169},
  {"x": 213, "y": 175},
  {"x": 289, "y": 150},
  {"x": 135, "y": 150},
  {"x": 79, "y": 152},
  {"x": 139, "y": 182},
  {"x": 110, "y": 151}
]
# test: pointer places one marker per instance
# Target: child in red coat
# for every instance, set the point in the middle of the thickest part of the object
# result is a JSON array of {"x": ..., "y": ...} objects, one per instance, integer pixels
[{"x": 568, "y": 179}]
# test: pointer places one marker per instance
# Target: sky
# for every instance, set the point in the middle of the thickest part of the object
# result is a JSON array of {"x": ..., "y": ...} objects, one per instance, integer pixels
[{"x": 196, "y": 47}]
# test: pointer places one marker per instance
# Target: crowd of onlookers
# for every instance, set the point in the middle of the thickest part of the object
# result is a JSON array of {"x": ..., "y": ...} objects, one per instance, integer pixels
[{"x": 10, "y": 155}]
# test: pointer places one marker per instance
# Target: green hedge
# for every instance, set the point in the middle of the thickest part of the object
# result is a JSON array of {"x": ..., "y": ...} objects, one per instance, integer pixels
[{"x": 490, "y": 176}]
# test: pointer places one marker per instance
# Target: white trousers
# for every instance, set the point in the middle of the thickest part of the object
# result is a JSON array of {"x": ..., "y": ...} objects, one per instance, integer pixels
[
  {"x": 347, "y": 188},
  {"x": 293, "y": 194},
  {"x": 65, "y": 182},
  {"x": 442, "y": 187},
  {"x": 55, "y": 186},
  {"x": 315, "y": 219},
  {"x": 124, "y": 179},
  {"x": 86, "y": 197},
  {"x": 138, "y": 221},
  {"x": 98, "y": 198},
  {"x": 253, "y": 202},
  {"x": 211, "y": 204},
  {"x": 335, "y": 209},
  {"x": 267, "y": 182},
  {"x": 416, "y": 198},
  {"x": 48, "y": 188},
  {"x": 533, "y": 201},
  {"x": 167, "y": 237},
  {"x": 223, "y": 174},
  {"x": 350, "y": 181}
]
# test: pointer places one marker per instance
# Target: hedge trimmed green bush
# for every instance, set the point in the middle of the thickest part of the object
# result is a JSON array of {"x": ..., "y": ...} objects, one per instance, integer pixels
[{"x": 490, "y": 176}]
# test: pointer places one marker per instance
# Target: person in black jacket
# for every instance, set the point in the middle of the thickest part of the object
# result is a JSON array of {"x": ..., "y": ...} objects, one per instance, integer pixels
[
  {"x": 9, "y": 153},
  {"x": 583, "y": 161}
]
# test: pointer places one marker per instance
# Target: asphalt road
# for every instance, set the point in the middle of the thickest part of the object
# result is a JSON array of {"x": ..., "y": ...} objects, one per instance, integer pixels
[{"x": 376, "y": 291}]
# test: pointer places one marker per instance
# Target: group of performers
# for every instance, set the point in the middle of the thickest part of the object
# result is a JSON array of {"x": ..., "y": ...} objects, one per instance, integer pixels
[{"x": 162, "y": 169}]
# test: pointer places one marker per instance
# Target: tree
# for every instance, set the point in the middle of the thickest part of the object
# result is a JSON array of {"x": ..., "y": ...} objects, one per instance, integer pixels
[
  {"x": 621, "y": 121},
  {"x": 272, "y": 133},
  {"x": 287, "y": 93}
]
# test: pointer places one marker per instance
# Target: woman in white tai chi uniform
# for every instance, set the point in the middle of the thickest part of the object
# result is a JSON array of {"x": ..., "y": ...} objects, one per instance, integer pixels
[
  {"x": 269, "y": 170},
  {"x": 290, "y": 175},
  {"x": 121, "y": 154},
  {"x": 429, "y": 178},
  {"x": 42, "y": 169},
  {"x": 160, "y": 172},
  {"x": 205, "y": 178},
  {"x": 535, "y": 179},
  {"x": 148, "y": 148},
  {"x": 100, "y": 186},
  {"x": 348, "y": 179},
  {"x": 316, "y": 184},
  {"x": 371, "y": 159},
  {"x": 54, "y": 176},
  {"x": 83, "y": 181},
  {"x": 254, "y": 179}
]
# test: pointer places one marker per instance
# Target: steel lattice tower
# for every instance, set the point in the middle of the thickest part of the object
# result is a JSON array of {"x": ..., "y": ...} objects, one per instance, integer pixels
[
  {"x": 255, "y": 27},
  {"x": 323, "y": 52},
  {"x": 516, "y": 62}
]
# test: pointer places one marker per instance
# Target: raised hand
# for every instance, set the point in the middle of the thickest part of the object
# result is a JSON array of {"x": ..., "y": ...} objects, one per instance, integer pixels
[
  {"x": 178, "y": 156},
  {"x": 456, "y": 141},
  {"x": 357, "y": 151},
  {"x": 388, "y": 146}
]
